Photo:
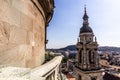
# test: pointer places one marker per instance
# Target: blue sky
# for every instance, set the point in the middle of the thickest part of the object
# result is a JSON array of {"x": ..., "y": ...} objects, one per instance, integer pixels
[{"x": 104, "y": 19}]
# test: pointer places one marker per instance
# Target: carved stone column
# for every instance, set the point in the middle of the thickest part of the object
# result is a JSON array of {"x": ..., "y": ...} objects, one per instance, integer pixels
[
  {"x": 82, "y": 58},
  {"x": 96, "y": 59},
  {"x": 84, "y": 53},
  {"x": 78, "y": 56},
  {"x": 88, "y": 64},
  {"x": 92, "y": 56}
]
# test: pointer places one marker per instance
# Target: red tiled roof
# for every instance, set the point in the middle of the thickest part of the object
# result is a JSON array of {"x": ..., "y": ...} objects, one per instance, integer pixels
[{"x": 70, "y": 77}]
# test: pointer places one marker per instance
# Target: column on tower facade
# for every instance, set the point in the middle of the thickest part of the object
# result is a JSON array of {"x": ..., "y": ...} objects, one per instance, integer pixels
[
  {"x": 80, "y": 54},
  {"x": 93, "y": 56},
  {"x": 88, "y": 64},
  {"x": 82, "y": 62},
  {"x": 79, "y": 58},
  {"x": 84, "y": 53},
  {"x": 97, "y": 60}
]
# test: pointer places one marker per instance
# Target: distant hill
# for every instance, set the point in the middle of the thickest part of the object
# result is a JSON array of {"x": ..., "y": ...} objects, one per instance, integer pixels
[
  {"x": 70, "y": 47},
  {"x": 101, "y": 48},
  {"x": 109, "y": 48}
]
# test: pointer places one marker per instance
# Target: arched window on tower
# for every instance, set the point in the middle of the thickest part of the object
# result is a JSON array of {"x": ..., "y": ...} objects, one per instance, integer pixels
[
  {"x": 94, "y": 78},
  {"x": 80, "y": 77},
  {"x": 80, "y": 56},
  {"x": 91, "y": 57}
]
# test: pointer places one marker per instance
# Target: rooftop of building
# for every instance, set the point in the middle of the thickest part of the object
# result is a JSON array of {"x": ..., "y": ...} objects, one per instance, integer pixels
[{"x": 108, "y": 76}]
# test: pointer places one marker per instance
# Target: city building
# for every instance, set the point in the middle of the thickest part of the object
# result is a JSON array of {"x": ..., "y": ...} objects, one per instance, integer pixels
[
  {"x": 104, "y": 63},
  {"x": 108, "y": 76},
  {"x": 87, "y": 66},
  {"x": 115, "y": 60}
]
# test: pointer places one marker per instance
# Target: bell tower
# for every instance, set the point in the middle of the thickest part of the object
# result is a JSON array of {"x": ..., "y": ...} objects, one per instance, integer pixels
[{"x": 87, "y": 65}]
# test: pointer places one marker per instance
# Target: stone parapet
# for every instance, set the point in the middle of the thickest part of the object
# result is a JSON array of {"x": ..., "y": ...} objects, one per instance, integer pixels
[{"x": 47, "y": 71}]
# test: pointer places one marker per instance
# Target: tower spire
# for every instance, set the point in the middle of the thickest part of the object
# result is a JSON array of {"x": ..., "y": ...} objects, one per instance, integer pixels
[
  {"x": 85, "y": 28},
  {"x": 85, "y": 9},
  {"x": 85, "y": 17}
]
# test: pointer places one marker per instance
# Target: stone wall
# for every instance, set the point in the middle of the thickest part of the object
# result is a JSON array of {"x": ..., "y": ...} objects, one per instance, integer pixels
[{"x": 22, "y": 34}]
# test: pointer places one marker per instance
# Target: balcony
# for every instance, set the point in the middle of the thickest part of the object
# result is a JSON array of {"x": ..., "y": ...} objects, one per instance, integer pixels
[{"x": 47, "y": 71}]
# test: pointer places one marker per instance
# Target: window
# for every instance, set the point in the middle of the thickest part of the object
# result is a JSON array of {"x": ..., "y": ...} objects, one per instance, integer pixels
[
  {"x": 90, "y": 38},
  {"x": 80, "y": 56},
  {"x": 91, "y": 57},
  {"x": 94, "y": 78},
  {"x": 79, "y": 78}
]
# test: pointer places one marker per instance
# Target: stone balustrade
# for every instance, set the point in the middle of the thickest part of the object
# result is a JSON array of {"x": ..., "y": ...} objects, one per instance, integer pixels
[{"x": 47, "y": 71}]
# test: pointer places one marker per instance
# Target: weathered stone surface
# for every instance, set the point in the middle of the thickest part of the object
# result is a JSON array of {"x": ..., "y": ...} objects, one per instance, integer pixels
[
  {"x": 22, "y": 34},
  {"x": 47, "y": 71}
]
